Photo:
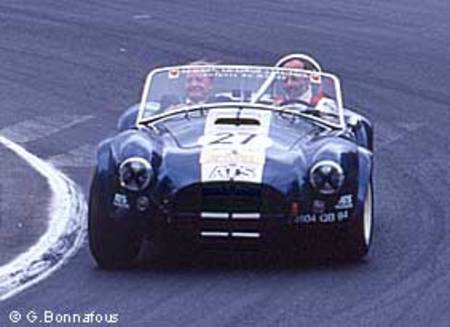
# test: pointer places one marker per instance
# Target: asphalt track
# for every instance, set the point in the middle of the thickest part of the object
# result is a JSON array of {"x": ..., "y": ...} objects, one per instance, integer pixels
[
  {"x": 88, "y": 59},
  {"x": 23, "y": 217}
]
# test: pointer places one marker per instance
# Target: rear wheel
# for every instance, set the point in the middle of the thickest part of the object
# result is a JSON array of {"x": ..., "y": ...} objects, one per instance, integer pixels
[{"x": 113, "y": 244}]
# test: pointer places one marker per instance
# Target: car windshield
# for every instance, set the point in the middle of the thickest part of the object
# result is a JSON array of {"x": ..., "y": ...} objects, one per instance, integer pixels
[{"x": 179, "y": 88}]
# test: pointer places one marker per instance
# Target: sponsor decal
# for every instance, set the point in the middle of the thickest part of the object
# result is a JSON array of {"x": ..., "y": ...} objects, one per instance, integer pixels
[
  {"x": 121, "y": 201},
  {"x": 236, "y": 152},
  {"x": 345, "y": 202},
  {"x": 235, "y": 139},
  {"x": 228, "y": 156},
  {"x": 152, "y": 106},
  {"x": 315, "y": 78},
  {"x": 224, "y": 172},
  {"x": 174, "y": 73},
  {"x": 324, "y": 218}
]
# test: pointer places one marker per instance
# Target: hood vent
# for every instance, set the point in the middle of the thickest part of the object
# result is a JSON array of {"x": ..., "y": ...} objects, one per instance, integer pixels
[{"x": 237, "y": 121}]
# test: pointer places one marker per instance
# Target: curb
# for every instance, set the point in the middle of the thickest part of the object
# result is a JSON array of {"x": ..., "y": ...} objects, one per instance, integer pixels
[{"x": 64, "y": 236}]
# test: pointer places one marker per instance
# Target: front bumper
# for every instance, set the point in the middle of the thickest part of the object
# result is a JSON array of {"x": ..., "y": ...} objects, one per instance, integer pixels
[{"x": 239, "y": 213}]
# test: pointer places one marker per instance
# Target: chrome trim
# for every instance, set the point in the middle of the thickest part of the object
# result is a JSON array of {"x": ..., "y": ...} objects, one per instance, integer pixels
[
  {"x": 367, "y": 217},
  {"x": 147, "y": 167},
  {"x": 247, "y": 105},
  {"x": 332, "y": 163},
  {"x": 246, "y": 234},
  {"x": 215, "y": 215},
  {"x": 250, "y": 215},
  {"x": 140, "y": 117},
  {"x": 214, "y": 234}
]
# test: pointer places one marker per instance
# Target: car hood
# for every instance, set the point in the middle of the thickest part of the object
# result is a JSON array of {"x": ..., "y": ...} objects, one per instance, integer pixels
[
  {"x": 242, "y": 145},
  {"x": 228, "y": 129}
]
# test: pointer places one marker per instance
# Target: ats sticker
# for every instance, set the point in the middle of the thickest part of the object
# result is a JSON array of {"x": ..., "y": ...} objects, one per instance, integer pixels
[
  {"x": 345, "y": 202},
  {"x": 121, "y": 201},
  {"x": 226, "y": 172}
]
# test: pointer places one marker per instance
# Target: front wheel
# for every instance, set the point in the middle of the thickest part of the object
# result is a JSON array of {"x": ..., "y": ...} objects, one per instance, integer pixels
[
  {"x": 359, "y": 237},
  {"x": 113, "y": 244}
]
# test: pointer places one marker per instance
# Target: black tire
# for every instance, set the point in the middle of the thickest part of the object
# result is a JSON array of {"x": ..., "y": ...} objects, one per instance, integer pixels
[
  {"x": 357, "y": 241},
  {"x": 113, "y": 244}
]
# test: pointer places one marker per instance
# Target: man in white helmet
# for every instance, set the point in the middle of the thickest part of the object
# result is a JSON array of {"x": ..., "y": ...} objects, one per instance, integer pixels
[{"x": 298, "y": 88}]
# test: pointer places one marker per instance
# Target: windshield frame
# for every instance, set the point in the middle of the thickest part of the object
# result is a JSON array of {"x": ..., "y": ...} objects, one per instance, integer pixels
[{"x": 141, "y": 120}]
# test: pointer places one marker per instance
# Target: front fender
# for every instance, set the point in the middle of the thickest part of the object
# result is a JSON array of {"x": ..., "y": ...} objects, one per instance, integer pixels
[{"x": 110, "y": 154}]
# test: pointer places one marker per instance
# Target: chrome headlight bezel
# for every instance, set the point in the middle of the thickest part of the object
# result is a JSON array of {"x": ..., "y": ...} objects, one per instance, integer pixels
[
  {"x": 132, "y": 169},
  {"x": 332, "y": 172}
]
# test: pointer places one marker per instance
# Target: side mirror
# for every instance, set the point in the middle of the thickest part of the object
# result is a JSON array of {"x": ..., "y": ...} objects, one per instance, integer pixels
[{"x": 361, "y": 128}]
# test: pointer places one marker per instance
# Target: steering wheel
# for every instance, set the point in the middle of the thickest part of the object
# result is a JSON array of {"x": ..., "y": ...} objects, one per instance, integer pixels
[
  {"x": 295, "y": 101},
  {"x": 314, "y": 111}
]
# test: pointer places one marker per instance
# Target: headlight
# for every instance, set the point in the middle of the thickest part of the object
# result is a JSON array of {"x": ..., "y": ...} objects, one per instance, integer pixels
[
  {"x": 327, "y": 177},
  {"x": 135, "y": 174}
]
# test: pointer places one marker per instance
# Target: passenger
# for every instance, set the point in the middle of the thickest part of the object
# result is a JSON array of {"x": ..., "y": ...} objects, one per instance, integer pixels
[
  {"x": 296, "y": 88},
  {"x": 299, "y": 89}
]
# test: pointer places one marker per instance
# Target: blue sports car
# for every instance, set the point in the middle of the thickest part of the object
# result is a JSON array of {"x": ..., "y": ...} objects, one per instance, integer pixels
[{"x": 233, "y": 154}]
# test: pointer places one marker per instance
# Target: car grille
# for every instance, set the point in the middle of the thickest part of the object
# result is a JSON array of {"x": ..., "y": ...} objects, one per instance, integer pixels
[{"x": 228, "y": 210}]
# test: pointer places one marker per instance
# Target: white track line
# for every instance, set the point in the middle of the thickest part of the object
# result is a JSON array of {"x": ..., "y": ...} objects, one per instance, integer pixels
[
  {"x": 41, "y": 126},
  {"x": 387, "y": 133},
  {"x": 83, "y": 156},
  {"x": 64, "y": 236}
]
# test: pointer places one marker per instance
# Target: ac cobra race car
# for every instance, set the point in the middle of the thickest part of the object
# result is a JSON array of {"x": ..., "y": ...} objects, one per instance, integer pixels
[{"x": 233, "y": 154}]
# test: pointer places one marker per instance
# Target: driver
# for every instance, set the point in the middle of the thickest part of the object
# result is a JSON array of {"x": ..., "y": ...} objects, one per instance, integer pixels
[{"x": 198, "y": 87}]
